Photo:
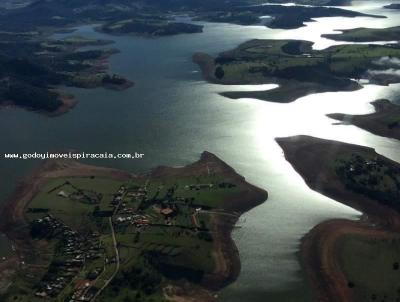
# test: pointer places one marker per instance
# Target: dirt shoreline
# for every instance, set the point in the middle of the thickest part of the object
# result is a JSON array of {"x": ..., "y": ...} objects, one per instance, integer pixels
[
  {"x": 288, "y": 90},
  {"x": 318, "y": 249},
  {"x": 226, "y": 255},
  {"x": 311, "y": 158},
  {"x": 67, "y": 103},
  {"x": 377, "y": 122}
]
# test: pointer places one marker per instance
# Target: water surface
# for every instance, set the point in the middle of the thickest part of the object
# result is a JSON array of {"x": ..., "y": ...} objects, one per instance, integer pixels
[{"x": 172, "y": 115}]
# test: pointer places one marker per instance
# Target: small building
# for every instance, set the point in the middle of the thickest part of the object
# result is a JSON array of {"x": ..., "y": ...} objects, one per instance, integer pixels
[
  {"x": 63, "y": 194},
  {"x": 167, "y": 211}
]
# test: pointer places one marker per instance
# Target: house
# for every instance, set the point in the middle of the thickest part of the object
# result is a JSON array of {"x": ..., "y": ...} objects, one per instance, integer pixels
[
  {"x": 167, "y": 211},
  {"x": 63, "y": 194},
  {"x": 41, "y": 294}
]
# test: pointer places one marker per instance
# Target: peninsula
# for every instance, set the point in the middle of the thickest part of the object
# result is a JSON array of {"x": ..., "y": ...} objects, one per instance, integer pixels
[
  {"x": 85, "y": 232},
  {"x": 385, "y": 121},
  {"x": 393, "y": 6},
  {"x": 282, "y": 16},
  {"x": 363, "y": 34},
  {"x": 297, "y": 68},
  {"x": 32, "y": 67},
  {"x": 150, "y": 27},
  {"x": 342, "y": 258},
  {"x": 316, "y": 2}
]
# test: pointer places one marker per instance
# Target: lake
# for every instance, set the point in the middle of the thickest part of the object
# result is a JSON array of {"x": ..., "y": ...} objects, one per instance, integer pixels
[{"x": 172, "y": 115}]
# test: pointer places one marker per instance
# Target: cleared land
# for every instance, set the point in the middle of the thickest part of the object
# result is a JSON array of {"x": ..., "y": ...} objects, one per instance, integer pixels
[
  {"x": 83, "y": 232},
  {"x": 363, "y": 34},
  {"x": 297, "y": 68},
  {"x": 372, "y": 266}
]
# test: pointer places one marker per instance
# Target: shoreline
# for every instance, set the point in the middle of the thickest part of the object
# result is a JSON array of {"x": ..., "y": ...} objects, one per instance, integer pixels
[
  {"x": 119, "y": 87},
  {"x": 319, "y": 247},
  {"x": 96, "y": 74},
  {"x": 297, "y": 68},
  {"x": 385, "y": 121},
  {"x": 288, "y": 90},
  {"x": 363, "y": 34},
  {"x": 227, "y": 256},
  {"x": 68, "y": 102},
  {"x": 225, "y": 252},
  {"x": 309, "y": 156}
]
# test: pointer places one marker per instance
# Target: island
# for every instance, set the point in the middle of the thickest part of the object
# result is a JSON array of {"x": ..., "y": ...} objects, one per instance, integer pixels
[
  {"x": 84, "y": 232},
  {"x": 385, "y": 121},
  {"x": 297, "y": 68},
  {"x": 350, "y": 260},
  {"x": 363, "y": 34},
  {"x": 32, "y": 67},
  {"x": 150, "y": 27}
]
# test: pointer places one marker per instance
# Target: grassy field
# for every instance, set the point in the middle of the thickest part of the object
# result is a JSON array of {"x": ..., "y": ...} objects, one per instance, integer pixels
[
  {"x": 258, "y": 59},
  {"x": 209, "y": 197},
  {"x": 371, "y": 267},
  {"x": 363, "y": 172},
  {"x": 164, "y": 249},
  {"x": 73, "y": 212},
  {"x": 297, "y": 68},
  {"x": 367, "y": 34}
]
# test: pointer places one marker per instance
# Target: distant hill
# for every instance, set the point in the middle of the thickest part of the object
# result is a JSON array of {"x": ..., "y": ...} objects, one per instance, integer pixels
[
  {"x": 13, "y": 4},
  {"x": 64, "y": 12}
]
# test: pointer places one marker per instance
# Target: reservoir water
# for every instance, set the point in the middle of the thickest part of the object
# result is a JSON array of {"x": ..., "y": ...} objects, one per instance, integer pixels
[{"x": 172, "y": 115}]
